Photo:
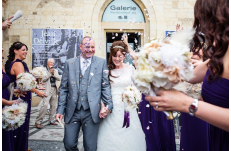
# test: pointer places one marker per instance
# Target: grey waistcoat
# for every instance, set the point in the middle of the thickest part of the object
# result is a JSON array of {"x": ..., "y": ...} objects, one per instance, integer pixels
[{"x": 83, "y": 85}]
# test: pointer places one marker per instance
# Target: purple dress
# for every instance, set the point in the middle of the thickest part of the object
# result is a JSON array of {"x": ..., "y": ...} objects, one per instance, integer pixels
[
  {"x": 216, "y": 92},
  {"x": 159, "y": 132},
  {"x": 194, "y": 136},
  {"x": 7, "y": 136},
  {"x": 21, "y": 133}
]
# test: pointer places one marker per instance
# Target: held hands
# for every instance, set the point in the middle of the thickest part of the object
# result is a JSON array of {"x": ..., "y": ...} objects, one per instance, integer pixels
[
  {"x": 7, "y": 23},
  {"x": 104, "y": 112}
]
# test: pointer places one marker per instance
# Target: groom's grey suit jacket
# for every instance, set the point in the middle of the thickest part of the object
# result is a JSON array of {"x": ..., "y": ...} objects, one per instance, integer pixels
[{"x": 98, "y": 88}]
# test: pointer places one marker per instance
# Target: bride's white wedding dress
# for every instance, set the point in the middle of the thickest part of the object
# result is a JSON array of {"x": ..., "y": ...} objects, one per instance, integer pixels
[{"x": 112, "y": 137}]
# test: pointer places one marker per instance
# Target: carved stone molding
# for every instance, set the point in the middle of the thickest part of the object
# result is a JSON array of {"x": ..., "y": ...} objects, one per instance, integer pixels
[{"x": 64, "y": 3}]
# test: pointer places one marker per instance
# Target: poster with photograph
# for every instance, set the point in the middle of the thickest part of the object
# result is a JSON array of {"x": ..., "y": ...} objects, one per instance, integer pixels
[{"x": 59, "y": 44}]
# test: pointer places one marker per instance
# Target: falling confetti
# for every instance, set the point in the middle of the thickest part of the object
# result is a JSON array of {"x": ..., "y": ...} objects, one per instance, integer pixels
[
  {"x": 121, "y": 29},
  {"x": 106, "y": 71},
  {"x": 148, "y": 128},
  {"x": 139, "y": 112},
  {"x": 147, "y": 105}
]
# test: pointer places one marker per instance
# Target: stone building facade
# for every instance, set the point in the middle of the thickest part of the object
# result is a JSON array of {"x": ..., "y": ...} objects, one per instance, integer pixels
[{"x": 159, "y": 15}]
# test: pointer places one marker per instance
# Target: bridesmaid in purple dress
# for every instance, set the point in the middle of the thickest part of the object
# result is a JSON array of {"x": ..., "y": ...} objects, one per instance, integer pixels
[
  {"x": 216, "y": 92},
  {"x": 17, "y": 54},
  {"x": 212, "y": 19},
  {"x": 159, "y": 132},
  {"x": 7, "y": 136},
  {"x": 194, "y": 134}
]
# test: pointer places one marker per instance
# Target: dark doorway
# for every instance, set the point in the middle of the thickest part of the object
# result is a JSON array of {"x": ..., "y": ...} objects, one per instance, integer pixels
[{"x": 133, "y": 40}]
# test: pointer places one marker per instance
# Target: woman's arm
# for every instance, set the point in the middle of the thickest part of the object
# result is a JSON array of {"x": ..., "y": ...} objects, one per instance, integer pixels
[
  {"x": 18, "y": 68},
  {"x": 5, "y": 102},
  {"x": 214, "y": 115},
  {"x": 177, "y": 101},
  {"x": 3, "y": 69},
  {"x": 132, "y": 52},
  {"x": 199, "y": 72}
]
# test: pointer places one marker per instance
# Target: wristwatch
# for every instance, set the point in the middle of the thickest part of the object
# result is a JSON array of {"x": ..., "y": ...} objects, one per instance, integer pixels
[{"x": 193, "y": 107}]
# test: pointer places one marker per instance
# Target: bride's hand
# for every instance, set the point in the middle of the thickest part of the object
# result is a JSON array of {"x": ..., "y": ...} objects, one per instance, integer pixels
[
  {"x": 104, "y": 112},
  {"x": 125, "y": 38}
]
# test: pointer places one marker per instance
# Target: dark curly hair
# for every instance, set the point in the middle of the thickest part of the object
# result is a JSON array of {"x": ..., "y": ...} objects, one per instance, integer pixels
[
  {"x": 113, "y": 52},
  {"x": 16, "y": 45},
  {"x": 212, "y": 19},
  {"x": 205, "y": 46}
]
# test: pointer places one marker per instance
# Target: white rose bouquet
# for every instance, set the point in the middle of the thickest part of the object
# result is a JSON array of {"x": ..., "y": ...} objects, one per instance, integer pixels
[
  {"x": 162, "y": 65},
  {"x": 39, "y": 73},
  {"x": 14, "y": 116},
  {"x": 25, "y": 82},
  {"x": 131, "y": 98}
]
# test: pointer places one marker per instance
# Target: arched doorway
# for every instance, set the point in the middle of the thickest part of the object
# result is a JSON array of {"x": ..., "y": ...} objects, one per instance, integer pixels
[
  {"x": 129, "y": 12},
  {"x": 119, "y": 24}
]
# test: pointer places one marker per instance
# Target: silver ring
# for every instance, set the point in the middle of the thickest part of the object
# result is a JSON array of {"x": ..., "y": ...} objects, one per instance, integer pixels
[{"x": 156, "y": 104}]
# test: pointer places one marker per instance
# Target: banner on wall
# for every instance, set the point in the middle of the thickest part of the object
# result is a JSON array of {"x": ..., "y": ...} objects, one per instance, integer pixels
[{"x": 59, "y": 44}]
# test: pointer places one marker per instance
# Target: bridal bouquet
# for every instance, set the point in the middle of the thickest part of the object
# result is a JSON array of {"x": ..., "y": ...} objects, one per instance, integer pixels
[
  {"x": 25, "y": 82},
  {"x": 39, "y": 73},
  {"x": 131, "y": 98},
  {"x": 162, "y": 65},
  {"x": 14, "y": 116}
]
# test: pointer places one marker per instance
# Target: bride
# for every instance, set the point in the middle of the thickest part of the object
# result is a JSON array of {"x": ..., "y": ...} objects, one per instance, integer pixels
[{"x": 111, "y": 136}]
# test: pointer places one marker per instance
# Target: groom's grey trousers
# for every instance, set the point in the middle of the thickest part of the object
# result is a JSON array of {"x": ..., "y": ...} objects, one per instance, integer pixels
[{"x": 90, "y": 131}]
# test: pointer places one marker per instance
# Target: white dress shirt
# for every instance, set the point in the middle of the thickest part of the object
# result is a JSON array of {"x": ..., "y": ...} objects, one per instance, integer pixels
[{"x": 82, "y": 64}]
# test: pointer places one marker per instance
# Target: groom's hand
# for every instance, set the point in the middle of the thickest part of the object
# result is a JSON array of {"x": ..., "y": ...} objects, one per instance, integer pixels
[
  {"x": 60, "y": 116},
  {"x": 104, "y": 112}
]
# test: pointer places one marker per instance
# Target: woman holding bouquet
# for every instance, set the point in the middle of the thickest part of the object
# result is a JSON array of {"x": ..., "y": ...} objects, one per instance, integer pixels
[
  {"x": 111, "y": 135},
  {"x": 159, "y": 132},
  {"x": 18, "y": 53},
  {"x": 212, "y": 19}
]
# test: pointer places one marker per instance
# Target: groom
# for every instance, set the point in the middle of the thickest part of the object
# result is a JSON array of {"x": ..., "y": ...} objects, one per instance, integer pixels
[{"x": 84, "y": 84}]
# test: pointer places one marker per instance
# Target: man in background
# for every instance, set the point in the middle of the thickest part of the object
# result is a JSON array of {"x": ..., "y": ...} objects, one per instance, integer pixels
[{"x": 51, "y": 91}]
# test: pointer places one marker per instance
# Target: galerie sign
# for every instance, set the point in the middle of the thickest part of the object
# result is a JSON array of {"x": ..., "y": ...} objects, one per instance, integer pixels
[{"x": 123, "y": 11}]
